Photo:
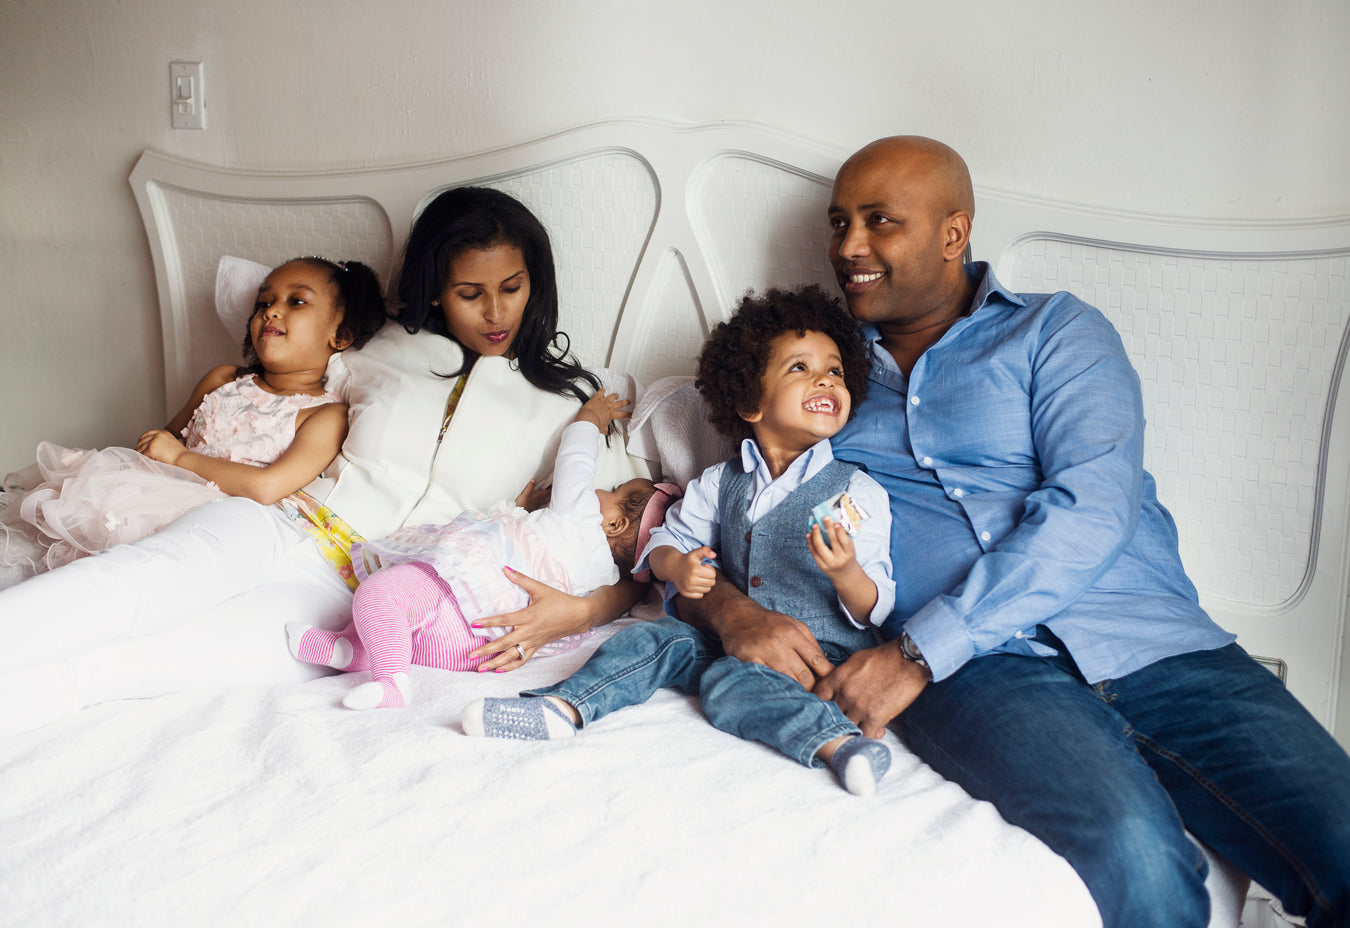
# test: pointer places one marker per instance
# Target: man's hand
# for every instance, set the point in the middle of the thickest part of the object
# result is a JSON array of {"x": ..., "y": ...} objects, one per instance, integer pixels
[
  {"x": 874, "y": 686},
  {"x": 752, "y": 633}
]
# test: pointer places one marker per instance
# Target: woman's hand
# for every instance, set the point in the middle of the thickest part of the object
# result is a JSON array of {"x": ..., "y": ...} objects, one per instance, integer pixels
[
  {"x": 159, "y": 445},
  {"x": 550, "y": 615}
]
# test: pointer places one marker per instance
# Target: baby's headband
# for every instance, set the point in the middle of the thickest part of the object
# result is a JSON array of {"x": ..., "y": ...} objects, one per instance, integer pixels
[{"x": 653, "y": 514}]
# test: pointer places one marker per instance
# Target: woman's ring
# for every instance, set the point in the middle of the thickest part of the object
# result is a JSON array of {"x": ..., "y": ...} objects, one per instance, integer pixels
[{"x": 520, "y": 651}]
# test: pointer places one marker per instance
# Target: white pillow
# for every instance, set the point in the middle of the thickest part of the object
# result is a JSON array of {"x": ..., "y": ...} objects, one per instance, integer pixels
[{"x": 237, "y": 283}]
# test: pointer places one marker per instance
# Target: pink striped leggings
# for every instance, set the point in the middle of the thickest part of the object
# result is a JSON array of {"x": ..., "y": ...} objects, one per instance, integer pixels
[{"x": 401, "y": 615}]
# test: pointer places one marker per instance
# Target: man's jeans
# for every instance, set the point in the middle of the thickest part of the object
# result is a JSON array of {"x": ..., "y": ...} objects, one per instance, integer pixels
[
  {"x": 1108, "y": 775},
  {"x": 743, "y": 699}
]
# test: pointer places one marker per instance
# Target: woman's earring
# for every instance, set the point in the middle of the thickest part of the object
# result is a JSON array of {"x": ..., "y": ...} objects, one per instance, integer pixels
[{"x": 435, "y": 302}]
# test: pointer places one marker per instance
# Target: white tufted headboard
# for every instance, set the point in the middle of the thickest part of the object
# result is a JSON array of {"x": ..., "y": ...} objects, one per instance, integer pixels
[{"x": 1238, "y": 331}]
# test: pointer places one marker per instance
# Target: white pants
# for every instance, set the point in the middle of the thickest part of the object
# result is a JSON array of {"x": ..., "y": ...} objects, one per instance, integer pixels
[{"x": 201, "y": 603}]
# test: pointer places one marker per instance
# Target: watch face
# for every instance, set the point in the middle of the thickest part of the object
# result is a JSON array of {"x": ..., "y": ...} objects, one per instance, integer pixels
[{"x": 910, "y": 650}]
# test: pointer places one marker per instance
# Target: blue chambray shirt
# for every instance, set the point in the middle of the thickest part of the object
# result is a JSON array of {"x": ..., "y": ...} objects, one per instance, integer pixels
[
  {"x": 1013, "y": 457},
  {"x": 696, "y": 519}
]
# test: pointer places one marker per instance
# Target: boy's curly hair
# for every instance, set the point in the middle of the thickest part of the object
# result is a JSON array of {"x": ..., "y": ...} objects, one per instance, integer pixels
[{"x": 732, "y": 363}]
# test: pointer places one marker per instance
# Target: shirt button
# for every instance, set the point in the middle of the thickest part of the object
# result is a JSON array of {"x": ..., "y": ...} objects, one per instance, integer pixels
[
  {"x": 747, "y": 538},
  {"x": 958, "y": 492},
  {"x": 756, "y": 582},
  {"x": 985, "y": 536},
  {"x": 927, "y": 462},
  {"x": 914, "y": 401}
]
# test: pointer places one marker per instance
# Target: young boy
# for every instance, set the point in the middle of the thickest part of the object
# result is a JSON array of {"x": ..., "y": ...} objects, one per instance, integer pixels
[{"x": 782, "y": 376}]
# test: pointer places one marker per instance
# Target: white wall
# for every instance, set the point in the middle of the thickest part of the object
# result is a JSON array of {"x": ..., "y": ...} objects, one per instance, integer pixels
[
  {"x": 1219, "y": 109},
  {"x": 1230, "y": 109}
]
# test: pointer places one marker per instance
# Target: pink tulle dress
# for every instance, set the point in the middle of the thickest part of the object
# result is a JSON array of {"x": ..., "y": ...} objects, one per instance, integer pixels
[{"x": 87, "y": 501}]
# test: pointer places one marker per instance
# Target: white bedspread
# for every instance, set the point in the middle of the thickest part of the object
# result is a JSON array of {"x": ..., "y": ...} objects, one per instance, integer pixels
[{"x": 277, "y": 806}]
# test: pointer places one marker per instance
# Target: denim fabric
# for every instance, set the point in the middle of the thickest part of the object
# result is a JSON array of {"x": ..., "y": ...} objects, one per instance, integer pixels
[
  {"x": 1108, "y": 775},
  {"x": 743, "y": 699}
]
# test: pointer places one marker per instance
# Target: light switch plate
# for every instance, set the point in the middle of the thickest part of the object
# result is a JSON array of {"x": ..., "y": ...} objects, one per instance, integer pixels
[{"x": 186, "y": 95}]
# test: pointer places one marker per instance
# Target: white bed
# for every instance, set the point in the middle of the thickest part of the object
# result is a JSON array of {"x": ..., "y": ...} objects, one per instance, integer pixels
[{"x": 273, "y": 805}]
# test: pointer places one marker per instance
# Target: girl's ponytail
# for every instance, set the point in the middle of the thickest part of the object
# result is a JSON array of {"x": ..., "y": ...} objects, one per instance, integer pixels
[{"x": 363, "y": 309}]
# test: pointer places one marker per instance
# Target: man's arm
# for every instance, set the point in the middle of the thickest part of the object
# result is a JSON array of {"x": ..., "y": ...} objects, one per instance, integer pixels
[
  {"x": 754, "y": 634},
  {"x": 874, "y": 686}
]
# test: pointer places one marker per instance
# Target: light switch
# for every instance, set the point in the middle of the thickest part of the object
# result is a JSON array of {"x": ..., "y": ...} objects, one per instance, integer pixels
[{"x": 188, "y": 105}]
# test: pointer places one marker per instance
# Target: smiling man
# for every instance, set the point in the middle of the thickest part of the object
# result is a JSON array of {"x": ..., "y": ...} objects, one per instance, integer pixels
[{"x": 1047, "y": 650}]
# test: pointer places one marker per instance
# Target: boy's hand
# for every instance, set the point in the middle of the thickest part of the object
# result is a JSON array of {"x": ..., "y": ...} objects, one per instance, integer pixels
[
  {"x": 159, "y": 445},
  {"x": 602, "y": 409},
  {"x": 691, "y": 576},
  {"x": 838, "y": 555}
]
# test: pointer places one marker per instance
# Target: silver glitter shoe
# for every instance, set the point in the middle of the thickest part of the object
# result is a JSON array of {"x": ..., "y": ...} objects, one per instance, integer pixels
[{"x": 526, "y": 718}]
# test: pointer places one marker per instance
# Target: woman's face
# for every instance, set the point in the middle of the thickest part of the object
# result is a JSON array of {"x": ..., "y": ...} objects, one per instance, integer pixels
[{"x": 484, "y": 298}]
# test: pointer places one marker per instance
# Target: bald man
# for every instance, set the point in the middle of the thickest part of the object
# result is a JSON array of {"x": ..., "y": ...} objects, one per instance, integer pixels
[{"x": 1047, "y": 650}]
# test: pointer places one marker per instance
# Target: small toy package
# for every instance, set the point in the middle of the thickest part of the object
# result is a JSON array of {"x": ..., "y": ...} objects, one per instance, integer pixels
[{"x": 841, "y": 509}]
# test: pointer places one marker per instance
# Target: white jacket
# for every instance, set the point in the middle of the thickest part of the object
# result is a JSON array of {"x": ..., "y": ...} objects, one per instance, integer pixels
[{"x": 396, "y": 470}]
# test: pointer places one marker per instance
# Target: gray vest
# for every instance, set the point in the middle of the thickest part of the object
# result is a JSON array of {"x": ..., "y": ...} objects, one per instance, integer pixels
[{"x": 770, "y": 561}]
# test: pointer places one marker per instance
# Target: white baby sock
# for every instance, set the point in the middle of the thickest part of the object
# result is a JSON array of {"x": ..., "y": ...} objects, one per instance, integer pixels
[
  {"x": 318, "y": 646},
  {"x": 393, "y": 692}
]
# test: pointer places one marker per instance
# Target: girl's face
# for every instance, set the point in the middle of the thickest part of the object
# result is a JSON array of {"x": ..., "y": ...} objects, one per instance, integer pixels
[
  {"x": 485, "y": 297},
  {"x": 803, "y": 397},
  {"x": 295, "y": 321}
]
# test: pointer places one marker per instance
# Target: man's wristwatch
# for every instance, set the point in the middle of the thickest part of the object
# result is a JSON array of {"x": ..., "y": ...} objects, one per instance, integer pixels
[{"x": 912, "y": 652}]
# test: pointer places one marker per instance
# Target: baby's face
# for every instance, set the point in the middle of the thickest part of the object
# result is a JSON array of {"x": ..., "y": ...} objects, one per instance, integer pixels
[
  {"x": 611, "y": 501},
  {"x": 620, "y": 528},
  {"x": 803, "y": 398},
  {"x": 611, "y": 506}
]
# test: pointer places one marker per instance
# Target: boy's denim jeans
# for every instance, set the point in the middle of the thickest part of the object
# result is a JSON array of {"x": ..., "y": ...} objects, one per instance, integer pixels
[
  {"x": 1108, "y": 775},
  {"x": 743, "y": 699}
]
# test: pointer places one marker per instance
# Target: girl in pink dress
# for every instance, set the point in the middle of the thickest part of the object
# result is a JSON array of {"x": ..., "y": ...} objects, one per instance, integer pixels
[{"x": 263, "y": 430}]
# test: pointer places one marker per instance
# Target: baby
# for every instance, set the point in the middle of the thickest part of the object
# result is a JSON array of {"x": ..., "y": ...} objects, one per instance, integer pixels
[
  {"x": 782, "y": 376},
  {"x": 424, "y": 589}
]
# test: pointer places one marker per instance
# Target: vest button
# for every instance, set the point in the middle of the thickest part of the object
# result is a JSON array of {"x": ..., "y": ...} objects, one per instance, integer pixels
[
  {"x": 756, "y": 582},
  {"x": 747, "y": 538}
]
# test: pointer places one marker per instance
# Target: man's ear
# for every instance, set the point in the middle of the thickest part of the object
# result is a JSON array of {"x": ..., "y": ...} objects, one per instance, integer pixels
[
  {"x": 751, "y": 417},
  {"x": 340, "y": 342},
  {"x": 617, "y": 526},
  {"x": 956, "y": 235}
]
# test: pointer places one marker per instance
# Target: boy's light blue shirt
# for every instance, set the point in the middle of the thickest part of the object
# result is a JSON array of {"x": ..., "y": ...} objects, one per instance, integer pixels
[
  {"x": 695, "y": 520},
  {"x": 1013, "y": 455}
]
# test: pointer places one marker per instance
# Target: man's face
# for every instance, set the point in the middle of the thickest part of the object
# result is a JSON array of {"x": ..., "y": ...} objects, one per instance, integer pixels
[{"x": 886, "y": 248}]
